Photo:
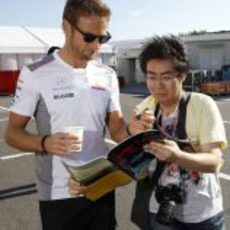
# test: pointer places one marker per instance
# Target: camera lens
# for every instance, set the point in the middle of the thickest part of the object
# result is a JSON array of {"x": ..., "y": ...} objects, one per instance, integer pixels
[{"x": 165, "y": 212}]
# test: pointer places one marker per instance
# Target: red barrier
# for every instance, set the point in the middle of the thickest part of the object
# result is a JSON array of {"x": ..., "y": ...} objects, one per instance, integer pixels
[{"x": 8, "y": 81}]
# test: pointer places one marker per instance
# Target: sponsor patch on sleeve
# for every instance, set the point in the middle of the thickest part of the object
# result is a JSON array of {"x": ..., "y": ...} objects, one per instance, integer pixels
[{"x": 98, "y": 88}]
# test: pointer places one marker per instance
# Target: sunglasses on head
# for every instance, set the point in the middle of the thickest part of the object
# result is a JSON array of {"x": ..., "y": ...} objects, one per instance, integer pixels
[{"x": 88, "y": 37}]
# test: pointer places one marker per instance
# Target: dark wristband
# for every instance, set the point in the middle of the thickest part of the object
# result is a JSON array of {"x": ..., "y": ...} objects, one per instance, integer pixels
[
  {"x": 128, "y": 131},
  {"x": 43, "y": 143}
]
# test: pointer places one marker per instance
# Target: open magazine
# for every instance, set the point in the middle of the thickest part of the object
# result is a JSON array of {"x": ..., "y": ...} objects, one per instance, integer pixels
[{"x": 125, "y": 162}]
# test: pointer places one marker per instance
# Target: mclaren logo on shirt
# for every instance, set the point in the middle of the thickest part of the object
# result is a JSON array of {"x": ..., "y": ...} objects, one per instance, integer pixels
[{"x": 63, "y": 96}]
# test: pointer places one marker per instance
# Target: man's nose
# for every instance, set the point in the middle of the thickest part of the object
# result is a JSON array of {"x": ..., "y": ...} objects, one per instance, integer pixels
[
  {"x": 95, "y": 44},
  {"x": 159, "y": 82}
]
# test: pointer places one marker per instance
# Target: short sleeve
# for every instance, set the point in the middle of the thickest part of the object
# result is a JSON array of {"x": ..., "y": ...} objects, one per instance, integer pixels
[
  {"x": 211, "y": 127},
  {"x": 114, "y": 103},
  {"x": 26, "y": 95}
]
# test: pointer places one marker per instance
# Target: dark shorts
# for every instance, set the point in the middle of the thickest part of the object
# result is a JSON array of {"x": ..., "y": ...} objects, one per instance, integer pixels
[{"x": 78, "y": 214}]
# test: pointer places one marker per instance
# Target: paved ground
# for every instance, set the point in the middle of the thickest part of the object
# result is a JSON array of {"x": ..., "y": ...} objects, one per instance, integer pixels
[{"x": 17, "y": 174}]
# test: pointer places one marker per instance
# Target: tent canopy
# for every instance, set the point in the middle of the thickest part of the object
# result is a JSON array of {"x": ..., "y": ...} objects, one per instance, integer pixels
[{"x": 33, "y": 40}]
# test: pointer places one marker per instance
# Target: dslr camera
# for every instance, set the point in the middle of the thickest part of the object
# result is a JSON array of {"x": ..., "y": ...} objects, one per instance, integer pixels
[{"x": 168, "y": 197}]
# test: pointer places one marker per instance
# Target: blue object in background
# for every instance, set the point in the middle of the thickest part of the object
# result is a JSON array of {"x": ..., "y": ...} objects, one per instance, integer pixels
[{"x": 226, "y": 72}]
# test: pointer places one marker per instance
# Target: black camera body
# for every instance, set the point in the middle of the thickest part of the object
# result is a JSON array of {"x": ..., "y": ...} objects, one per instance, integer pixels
[{"x": 168, "y": 197}]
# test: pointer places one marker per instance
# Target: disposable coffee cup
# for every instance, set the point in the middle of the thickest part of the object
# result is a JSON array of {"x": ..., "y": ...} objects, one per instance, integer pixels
[{"x": 76, "y": 131}]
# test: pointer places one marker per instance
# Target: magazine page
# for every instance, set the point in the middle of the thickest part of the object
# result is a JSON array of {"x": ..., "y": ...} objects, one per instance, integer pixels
[
  {"x": 130, "y": 156},
  {"x": 126, "y": 161},
  {"x": 100, "y": 177},
  {"x": 106, "y": 184},
  {"x": 87, "y": 172}
]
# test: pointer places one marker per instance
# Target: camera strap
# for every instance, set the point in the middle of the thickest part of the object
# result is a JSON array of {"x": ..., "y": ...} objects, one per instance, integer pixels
[
  {"x": 180, "y": 132},
  {"x": 180, "y": 129}
]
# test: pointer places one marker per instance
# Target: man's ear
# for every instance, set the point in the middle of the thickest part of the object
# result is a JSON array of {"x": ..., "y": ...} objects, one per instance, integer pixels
[
  {"x": 183, "y": 76},
  {"x": 65, "y": 25},
  {"x": 67, "y": 28}
]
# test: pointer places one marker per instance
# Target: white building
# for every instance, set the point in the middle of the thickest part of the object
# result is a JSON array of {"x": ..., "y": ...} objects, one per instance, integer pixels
[{"x": 208, "y": 51}]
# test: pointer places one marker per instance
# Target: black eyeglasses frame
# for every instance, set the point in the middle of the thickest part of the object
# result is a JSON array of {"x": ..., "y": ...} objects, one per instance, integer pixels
[{"x": 89, "y": 37}]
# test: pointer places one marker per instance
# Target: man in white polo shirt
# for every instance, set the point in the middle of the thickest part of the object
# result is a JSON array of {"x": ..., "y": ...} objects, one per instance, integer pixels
[{"x": 67, "y": 89}]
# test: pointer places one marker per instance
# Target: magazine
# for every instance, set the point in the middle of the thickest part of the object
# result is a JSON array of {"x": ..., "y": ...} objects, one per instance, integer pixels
[{"x": 125, "y": 162}]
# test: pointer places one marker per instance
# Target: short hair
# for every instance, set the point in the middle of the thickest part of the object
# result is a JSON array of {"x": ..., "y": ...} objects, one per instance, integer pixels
[
  {"x": 166, "y": 48},
  {"x": 77, "y": 8}
]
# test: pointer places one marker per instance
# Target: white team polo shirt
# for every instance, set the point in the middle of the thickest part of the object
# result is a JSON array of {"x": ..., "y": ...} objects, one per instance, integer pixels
[{"x": 58, "y": 95}]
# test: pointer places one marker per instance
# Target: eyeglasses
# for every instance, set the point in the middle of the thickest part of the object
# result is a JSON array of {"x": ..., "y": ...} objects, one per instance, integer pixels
[
  {"x": 164, "y": 77},
  {"x": 89, "y": 38}
]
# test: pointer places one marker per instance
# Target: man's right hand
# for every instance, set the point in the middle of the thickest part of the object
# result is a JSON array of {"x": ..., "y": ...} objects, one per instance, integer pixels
[
  {"x": 75, "y": 188},
  {"x": 140, "y": 122},
  {"x": 62, "y": 144}
]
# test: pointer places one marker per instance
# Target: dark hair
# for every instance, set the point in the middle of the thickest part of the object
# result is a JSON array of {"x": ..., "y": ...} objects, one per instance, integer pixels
[
  {"x": 77, "y": 8},
  {"x": 165, "y": 48}
]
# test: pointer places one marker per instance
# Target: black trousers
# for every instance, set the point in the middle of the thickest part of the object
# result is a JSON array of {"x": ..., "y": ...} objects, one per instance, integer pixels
[{"x": 79, "y": 214}]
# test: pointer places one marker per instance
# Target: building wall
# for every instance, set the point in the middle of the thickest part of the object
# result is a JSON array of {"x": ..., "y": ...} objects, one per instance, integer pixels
[
  {"x": 8, "y": 62},
  {"x": 203, "y": 55},
  {"x": 193, "y": 52},
  {"x": 126, "y": 69},
  {"x": 128, "y": 65},
  {"x": 122, "y": 68},
  {"x": 209, "y": 55},
  {"x": 226, "y": 60},
  {"x": 139, "y": 76}
]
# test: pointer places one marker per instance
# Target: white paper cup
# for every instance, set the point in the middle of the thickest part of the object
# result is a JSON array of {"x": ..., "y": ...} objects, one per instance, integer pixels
[{"x": 77, "y": 131}]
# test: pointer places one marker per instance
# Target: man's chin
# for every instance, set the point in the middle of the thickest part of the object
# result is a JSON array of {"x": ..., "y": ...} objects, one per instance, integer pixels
[
  {"x": 161, "y": 99},
  {"x": 89, "y": 56}
]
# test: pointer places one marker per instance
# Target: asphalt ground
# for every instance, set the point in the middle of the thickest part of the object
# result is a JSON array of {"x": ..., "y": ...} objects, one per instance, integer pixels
[{"x": 18, "y": 197}]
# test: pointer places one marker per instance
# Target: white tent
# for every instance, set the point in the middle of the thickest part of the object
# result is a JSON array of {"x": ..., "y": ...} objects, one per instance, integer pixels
[{"x": 23, "y": 45}]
